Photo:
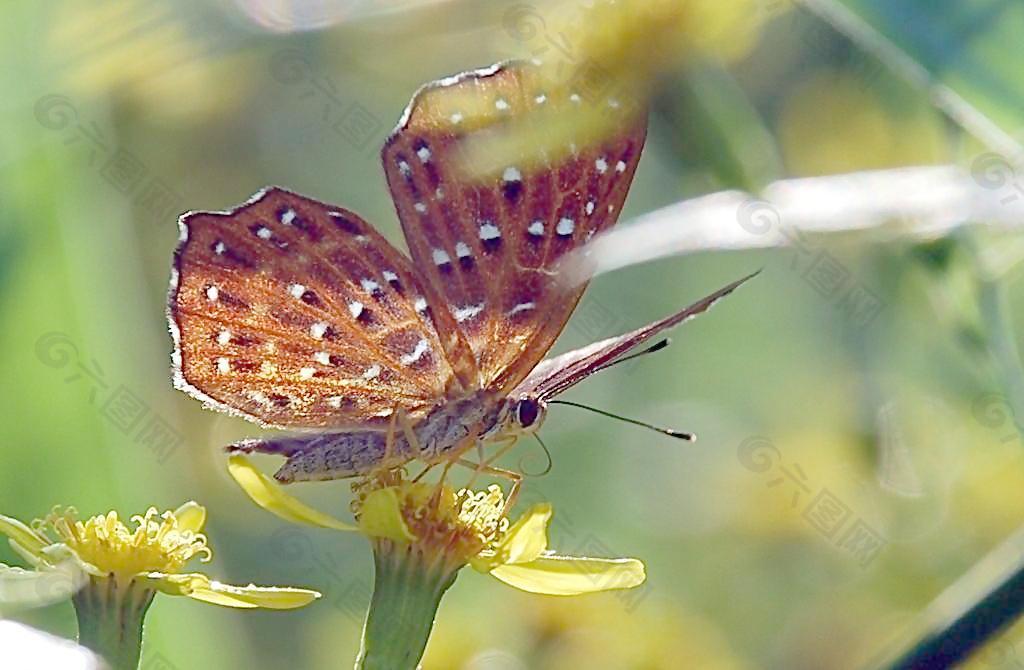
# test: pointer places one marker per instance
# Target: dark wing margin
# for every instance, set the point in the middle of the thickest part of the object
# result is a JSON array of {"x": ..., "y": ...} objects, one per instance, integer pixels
[{"x": 554, "y": 375}]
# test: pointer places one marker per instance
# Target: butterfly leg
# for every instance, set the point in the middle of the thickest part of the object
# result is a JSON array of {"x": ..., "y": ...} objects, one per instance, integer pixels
[
  {"x": 410, "y": 434},
  {"x": 479, "y": 467},
  {"x": 425, "y": 471}
]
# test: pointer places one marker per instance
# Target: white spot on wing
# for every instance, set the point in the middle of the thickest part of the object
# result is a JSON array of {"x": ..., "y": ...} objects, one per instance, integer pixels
[
  {"x": 468, "y": 312},
  {"x": 565, "y": 226},
  {"x": 522, "y": 307},
  {"x": 456, "y": 117},
  {"x": 540, "y": 99},
  {"x": 620, "y": 166},
  {"x": 590, "y": 207},
  {"x": 288, "y": 216},
  {"x": 462, "y": 250},
  {"x": 263, "y": 233},
  {"x": 296, "y": 290},
  {"x": 370, "y": 286},
  {"x": 223, "y": 366},
  {"x": 306, "y": 373},
  {"x": 390, "y": 276},
  {"x": 405, "y": 169},
  {"x": 212, "y": 293},
  {"x": 322, "y": 357},
  {"x": 501, "y": 104},
  {"x": 335, "y": 401},
  {"x": 259, "y": 397},
  {"x": 536, "y": 228},
  {"x": 355, "y": 308},
  {"x": 489, "y": 231},
  {"x": 318, "y": 329},
  {"x": 512, "y": 174},
  {"x": 416, "y": 354},
  {"x": 601, "y": 164},
  {"x": 224, "y": 337},
  {"x": 420, "y": 304},
  {"x": 575, "y": 98},
  {"x": 219, "y": 248},
  {"x": 440, "y": 256},
  {"x": 424, "y": 154},
  {"x": 420, "y": 207},
  {"x": 372, "y": 372}
]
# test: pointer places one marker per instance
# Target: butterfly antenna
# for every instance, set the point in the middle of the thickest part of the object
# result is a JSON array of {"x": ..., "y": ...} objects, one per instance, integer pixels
[
  {"x": 689, "y": 437},
  {"x": 547, "y": 454},
  {"x": 657, "y": 346}
]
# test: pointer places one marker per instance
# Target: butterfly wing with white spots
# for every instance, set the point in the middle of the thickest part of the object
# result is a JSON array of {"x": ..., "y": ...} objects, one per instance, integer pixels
[
  {"x": 291, "y": 312},
  {"x": 488, "y": 247}
]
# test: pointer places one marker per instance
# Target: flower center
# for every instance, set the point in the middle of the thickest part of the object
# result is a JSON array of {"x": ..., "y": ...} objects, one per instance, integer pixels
[
  {"x": 155, "y": 544},
  {"x": 459, "y": 524}
]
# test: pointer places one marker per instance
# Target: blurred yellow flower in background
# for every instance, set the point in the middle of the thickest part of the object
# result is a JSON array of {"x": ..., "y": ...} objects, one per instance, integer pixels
[
  {"x": 836, "y": 121},
  {"x": 609, "y": 69},
  {"x": 154, "y": 56}
]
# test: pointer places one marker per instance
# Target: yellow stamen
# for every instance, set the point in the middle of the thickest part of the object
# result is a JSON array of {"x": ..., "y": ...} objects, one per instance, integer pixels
[{"x": 157, "y": 543}]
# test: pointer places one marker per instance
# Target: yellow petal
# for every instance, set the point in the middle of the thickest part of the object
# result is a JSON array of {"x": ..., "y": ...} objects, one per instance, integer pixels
[
  {"x": 381, "y": 516},
  {"x": 252, "y": 596},
  {"x": 200, "y": 587},
  {"x": 569, "y": 575},
  {"x": 22, "y": 534},
  {"x": 176, "y": 584},
  {"x": 527, "y": 538},
  {"x": 266, "y": 493},
  {"x": 191, "y": 516}
]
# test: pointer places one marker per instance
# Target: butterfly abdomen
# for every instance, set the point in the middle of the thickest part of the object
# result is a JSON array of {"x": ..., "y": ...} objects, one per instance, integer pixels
[{"x": 452, "y": 426}]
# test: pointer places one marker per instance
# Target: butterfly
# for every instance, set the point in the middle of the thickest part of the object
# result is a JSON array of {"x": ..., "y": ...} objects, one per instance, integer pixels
[{"x": 298, "y": 314}]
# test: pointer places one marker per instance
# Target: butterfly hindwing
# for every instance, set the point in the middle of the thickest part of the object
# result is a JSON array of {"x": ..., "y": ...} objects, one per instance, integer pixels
[
  {"x": 292, "y": 312},
  {"x": 488, "y": 246}
]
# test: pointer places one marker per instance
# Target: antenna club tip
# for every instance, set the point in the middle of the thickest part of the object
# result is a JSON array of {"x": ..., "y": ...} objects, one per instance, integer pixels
[{"x": 686, "y": 437}]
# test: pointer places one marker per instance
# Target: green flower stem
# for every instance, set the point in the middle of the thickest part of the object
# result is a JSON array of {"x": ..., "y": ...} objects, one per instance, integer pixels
[
  {"x": 407, "y": 589},
  {"x": 111, "y": 614}
]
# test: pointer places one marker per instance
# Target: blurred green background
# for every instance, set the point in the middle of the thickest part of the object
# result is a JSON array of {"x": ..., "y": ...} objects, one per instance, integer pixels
[{"x": 852, "y": 461}]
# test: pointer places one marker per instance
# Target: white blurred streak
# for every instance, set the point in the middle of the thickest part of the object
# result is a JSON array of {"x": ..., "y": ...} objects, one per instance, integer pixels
[
  {"x": 896, "y": 471},
  {"x": 914, "y": 202},
  {"x": 23, "y": 589},
  {"x": 290, "y": 16},
  {"x": 26, "y": 648}
]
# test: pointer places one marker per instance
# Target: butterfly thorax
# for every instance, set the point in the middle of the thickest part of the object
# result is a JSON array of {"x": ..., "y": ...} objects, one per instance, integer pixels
[{"x": 455, "y": 426}]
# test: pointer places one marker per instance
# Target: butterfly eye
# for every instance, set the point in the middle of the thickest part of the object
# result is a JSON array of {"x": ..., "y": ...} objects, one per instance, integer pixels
[{"x": 527, "y": 412}]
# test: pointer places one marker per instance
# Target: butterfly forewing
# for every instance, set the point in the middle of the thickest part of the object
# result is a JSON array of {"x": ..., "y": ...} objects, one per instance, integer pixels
[
  {"x": 488, "y": 245},
  {"x": 292, "y": 312}
]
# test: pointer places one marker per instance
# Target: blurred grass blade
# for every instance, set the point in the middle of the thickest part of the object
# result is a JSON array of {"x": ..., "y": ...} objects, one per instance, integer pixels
[
  {"x": 983, "y": 602},
  {"x": 715, "y": 127},
  {"x": 965, "y": 54}
]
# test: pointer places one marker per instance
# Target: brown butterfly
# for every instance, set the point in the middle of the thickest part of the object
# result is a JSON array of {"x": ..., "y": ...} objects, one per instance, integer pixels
[{"x": 295, "y": 313}]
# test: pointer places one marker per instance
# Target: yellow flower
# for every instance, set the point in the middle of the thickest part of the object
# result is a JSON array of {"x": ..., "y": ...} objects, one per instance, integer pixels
[
  {"x": 453, "y": 529},
  {"x": 147, "y": 555}
]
